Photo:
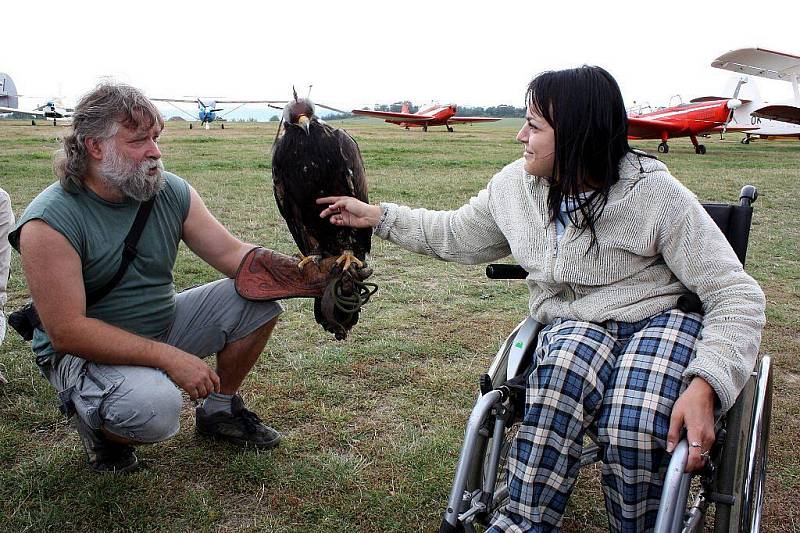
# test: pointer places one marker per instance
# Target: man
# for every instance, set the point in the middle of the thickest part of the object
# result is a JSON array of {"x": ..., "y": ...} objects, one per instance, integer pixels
[
  {"x": 6, "y": 223},
  {"x": 118, "y": 364}
]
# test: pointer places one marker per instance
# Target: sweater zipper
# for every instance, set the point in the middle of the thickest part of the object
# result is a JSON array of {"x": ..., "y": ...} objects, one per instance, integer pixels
[{"x": 551, "y": 230}]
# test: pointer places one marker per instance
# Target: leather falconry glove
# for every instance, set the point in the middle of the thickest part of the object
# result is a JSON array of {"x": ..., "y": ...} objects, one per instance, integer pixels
[{"x": 268, "y": 275}]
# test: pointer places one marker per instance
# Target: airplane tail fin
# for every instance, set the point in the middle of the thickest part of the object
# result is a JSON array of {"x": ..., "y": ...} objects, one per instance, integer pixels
[
  {"x": 8, "y": 92},
  {"x": 406, "y": 106}
]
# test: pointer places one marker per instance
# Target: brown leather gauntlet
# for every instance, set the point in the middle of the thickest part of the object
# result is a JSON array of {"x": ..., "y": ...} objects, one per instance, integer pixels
[{"x": 268, "y": 275}]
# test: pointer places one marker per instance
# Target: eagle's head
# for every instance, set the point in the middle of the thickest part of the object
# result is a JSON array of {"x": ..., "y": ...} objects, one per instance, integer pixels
[{"x": 299, "y": 112}]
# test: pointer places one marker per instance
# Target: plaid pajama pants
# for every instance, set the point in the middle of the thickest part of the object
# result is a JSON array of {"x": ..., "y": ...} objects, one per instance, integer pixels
[{"x": 616, "y": 382}]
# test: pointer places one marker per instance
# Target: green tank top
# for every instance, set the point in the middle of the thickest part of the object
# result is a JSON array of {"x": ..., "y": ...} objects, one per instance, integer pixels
[{"x": 143, "y": 302}]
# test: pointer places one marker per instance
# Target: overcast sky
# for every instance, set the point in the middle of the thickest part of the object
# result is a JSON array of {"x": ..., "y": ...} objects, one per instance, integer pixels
[{"x": 362, "y": 53}]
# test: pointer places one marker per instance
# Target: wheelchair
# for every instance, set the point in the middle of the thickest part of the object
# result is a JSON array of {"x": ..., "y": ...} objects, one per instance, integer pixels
[{"x": 733, "y": 480}]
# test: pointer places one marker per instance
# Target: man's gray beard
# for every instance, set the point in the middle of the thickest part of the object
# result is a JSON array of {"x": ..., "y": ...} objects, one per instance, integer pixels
[{"x": 134, "y": 181}]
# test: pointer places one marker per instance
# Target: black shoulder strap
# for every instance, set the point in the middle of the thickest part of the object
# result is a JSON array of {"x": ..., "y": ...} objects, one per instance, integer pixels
[{"x": 128, "y": 252}]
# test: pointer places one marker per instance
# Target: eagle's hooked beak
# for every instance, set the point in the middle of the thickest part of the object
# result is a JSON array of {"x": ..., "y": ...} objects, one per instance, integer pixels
[{"x": 303, "y": 122}]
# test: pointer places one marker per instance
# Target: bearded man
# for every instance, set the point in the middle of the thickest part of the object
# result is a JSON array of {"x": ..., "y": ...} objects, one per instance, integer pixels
[{"x": 118, "y": 364}]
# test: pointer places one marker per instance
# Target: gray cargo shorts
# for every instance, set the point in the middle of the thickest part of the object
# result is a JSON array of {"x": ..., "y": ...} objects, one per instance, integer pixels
[{"x": 142, "y": 403}]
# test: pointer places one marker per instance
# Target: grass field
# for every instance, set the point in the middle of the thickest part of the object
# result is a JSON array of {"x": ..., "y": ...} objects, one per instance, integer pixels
[{"x": 372, "y": 426}]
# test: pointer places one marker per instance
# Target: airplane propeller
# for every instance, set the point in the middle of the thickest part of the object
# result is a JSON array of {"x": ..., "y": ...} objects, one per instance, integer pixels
[{"x": 733, "y": 104}]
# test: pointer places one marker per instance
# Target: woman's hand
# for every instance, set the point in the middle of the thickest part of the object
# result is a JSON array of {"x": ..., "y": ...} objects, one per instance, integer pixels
[
  {"x": 349, "y": 211},
  {"x": 693, "y": 410}
]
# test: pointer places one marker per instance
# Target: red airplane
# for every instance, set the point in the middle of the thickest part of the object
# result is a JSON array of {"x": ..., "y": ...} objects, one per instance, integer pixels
[
  {"x": 435, "y": 115},
  {"x": 700, "y": 116}
]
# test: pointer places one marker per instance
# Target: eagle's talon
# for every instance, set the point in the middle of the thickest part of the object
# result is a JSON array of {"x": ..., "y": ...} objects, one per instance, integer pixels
[
  {"x": 305, "y": 259},
  {"x": 349, "y": 259}
]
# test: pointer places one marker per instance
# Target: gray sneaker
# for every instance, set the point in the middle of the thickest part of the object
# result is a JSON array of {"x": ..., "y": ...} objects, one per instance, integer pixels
[
  {"x": 104, "y": 455},
  {"x": 240, "y": 426}
]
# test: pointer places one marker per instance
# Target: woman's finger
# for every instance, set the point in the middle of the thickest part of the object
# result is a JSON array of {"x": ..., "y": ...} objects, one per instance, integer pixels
[
  {"x": 333, "y": 209},
  {"x": 329, "y": 199},
  {"x": 696, "y": 447},
  {"x": 675, "y": 427}
]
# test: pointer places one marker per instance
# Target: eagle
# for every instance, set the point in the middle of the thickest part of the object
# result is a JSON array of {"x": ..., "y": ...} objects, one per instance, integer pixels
[{"x": 310, "y": 160}]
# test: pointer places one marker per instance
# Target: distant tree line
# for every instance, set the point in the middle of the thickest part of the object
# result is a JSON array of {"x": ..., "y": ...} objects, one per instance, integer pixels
[{"x": 501, "y": 111}]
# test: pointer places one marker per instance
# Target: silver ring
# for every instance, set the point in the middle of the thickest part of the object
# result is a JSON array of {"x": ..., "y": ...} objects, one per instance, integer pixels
[{"x": 695, "y": 444}]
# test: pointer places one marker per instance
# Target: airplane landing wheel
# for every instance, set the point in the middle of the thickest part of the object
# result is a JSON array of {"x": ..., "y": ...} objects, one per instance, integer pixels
[
  {"x": 745, "y": 140},
  {"x": 222, "y": 126},
  {"x": 55, "y": 123},
  {"x": 700, "y": 149},
  {"x": 450, "y": 129},
  {"x": 33, "y": 122},
  {"x": 190, "y": 125},
  {"x": 663, "y": 148},
  {"x": 425, "y": 128}
]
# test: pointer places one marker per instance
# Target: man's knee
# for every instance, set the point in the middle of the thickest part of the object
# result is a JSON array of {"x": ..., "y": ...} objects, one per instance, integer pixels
[{"x": 145, "y": 414}]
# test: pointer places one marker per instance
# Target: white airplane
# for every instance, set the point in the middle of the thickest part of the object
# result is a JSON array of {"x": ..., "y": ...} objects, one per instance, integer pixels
[
  {"x": 9, "y": 102},
  {"x": 756, "y": 116},
  {"x": 207, "y": 108}
]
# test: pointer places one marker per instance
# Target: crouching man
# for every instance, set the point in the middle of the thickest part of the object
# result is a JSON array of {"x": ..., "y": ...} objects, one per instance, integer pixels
[{"x": 119, "y": 363}]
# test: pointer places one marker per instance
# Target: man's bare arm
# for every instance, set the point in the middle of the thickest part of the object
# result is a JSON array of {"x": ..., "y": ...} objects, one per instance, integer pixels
[
  {"x": 209, "y": 239},
  {"x": 53, "y": 271}
]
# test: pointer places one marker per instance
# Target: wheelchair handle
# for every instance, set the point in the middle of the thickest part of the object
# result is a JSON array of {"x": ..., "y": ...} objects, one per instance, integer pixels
[
  {"x": 503, "y": 271},
  {"x": 748, "y": 195}
]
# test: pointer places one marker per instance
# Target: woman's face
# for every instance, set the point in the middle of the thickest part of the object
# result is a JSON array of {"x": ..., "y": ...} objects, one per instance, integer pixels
[{"x": 540, "y": 145}]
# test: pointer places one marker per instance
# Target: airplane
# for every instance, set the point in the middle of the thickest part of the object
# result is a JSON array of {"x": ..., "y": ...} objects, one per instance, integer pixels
[
  {"x": 759, "y": 117},
  {"x": 698, "y": 117},
  {"x": 9, "y": 100},
  {"x": 434, "y": 115},
  {"x": 708, "y": 114},
  {"x": 207, "y": 108}
]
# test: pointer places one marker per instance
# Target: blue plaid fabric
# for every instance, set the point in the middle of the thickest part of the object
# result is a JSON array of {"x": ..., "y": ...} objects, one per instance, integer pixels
[{"x": 618, "y": 382}]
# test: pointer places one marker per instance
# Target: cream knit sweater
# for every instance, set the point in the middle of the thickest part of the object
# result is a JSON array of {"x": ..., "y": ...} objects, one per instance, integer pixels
[{"x": 656, "y": 241}]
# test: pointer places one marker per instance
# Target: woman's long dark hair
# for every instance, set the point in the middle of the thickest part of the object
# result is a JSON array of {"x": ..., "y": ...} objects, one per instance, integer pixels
[{"x": 584, "y": 107}]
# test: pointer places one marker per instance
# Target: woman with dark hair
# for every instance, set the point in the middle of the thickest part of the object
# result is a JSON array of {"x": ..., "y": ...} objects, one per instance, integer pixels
[{"x": 610, "y": 241}]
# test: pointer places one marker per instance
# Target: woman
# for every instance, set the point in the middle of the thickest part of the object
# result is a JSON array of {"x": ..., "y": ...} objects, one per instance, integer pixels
[{"x": 610, "y": 241}]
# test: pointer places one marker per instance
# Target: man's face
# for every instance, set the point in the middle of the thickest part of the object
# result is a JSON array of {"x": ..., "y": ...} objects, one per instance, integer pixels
[
  {"x": 540, "y": 145},
  {"x": 132, "y": 162}
]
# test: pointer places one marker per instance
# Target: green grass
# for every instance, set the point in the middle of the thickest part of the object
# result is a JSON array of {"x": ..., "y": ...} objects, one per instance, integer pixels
[{"x": 372, "y": 425}]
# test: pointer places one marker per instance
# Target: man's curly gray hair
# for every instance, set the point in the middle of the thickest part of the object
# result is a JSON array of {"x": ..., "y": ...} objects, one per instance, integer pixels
[{"x": 98, "y": 115}]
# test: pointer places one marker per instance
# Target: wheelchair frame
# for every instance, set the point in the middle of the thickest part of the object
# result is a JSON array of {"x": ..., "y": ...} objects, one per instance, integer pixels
[{"x": 734, "y": 479}]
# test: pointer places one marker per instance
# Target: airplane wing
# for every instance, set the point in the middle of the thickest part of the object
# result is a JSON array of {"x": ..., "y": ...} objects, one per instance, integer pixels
[
  {"x": 218, "y": 101},
  {"x": 388, "y": 115},
  {"x": 467, "y": 120},
  {"x": 248, "y": 101},
  {"x": 714, "y": 98},
  {"x": 184, "y": 100},
  {"x": 783, "y": 113},
  {"x": 643, "y": 128},
  {"x": 760, "y": 62},
  {"x": 23, "y": 111}
]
